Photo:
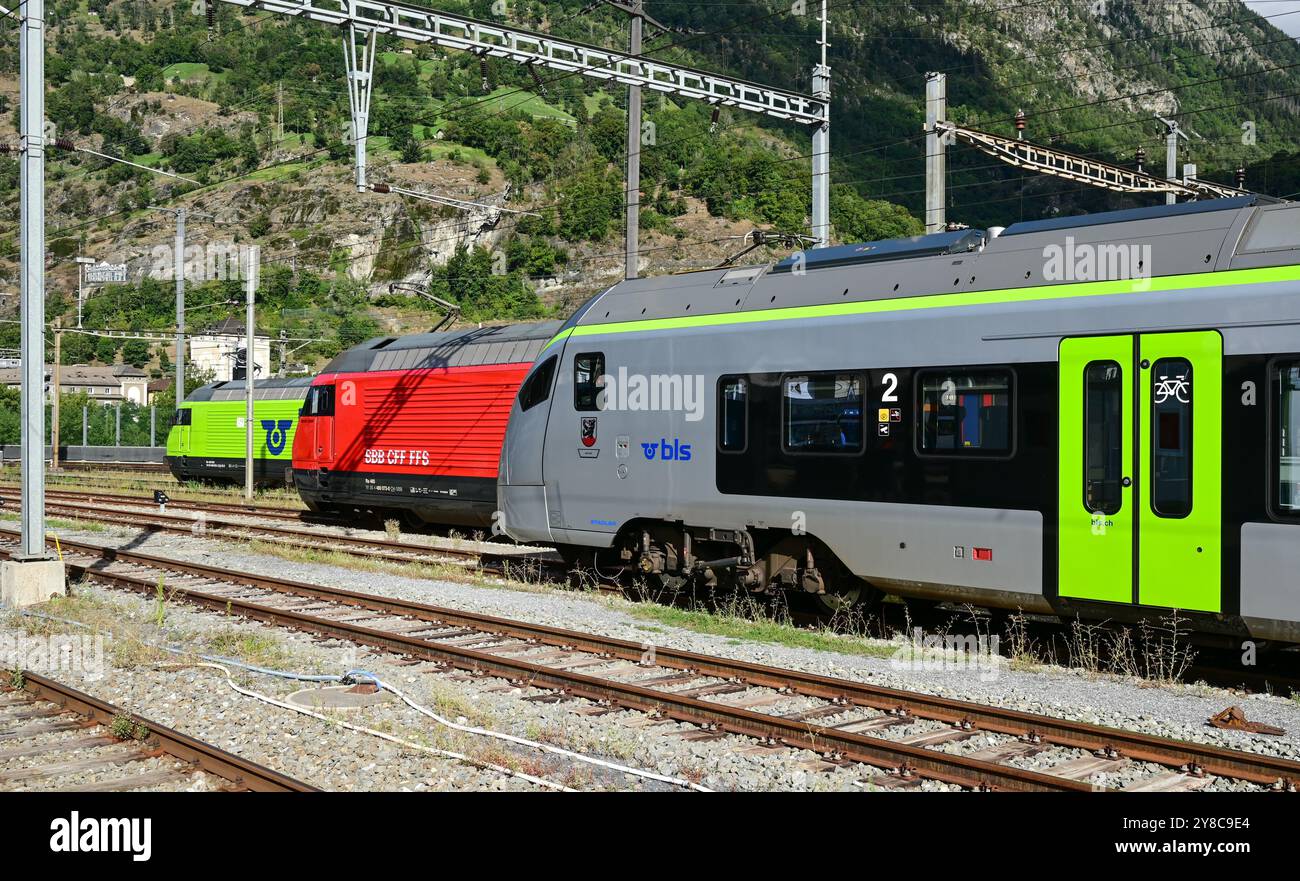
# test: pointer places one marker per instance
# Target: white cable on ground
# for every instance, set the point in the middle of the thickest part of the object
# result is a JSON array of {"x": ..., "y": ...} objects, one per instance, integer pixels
[
  {"x": 218, "y": 660},
  {"x": 546, "y": 747},
  {"x": 448, "y": 754}
]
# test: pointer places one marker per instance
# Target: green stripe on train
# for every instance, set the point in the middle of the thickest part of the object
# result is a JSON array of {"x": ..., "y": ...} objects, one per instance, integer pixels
[
  {"x": 216, "y": 430},
  {"x": 1160, "y": 284}
]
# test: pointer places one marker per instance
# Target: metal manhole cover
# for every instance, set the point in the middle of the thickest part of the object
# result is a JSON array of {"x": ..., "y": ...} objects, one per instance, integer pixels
[{"x": 338, "y": 697}]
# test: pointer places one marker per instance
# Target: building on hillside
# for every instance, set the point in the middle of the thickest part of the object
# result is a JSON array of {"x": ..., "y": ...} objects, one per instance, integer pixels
[
  {"x": 98, "y": 382},
  {"x": 158, "y": 386},
  {"x": 134, "y": 383},
  {"x": 216, "y": 348}
]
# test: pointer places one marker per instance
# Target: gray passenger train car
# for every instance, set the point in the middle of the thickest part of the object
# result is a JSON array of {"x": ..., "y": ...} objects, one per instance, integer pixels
[{"x": 1093, "y": 415}]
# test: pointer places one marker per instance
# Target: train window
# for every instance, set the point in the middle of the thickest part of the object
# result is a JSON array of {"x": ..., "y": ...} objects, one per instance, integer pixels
[
  {"x": 965, "y": 412},
  {"x": 733, "y": 414},
  {"x": 1103, "y": 443},
  {"x": 588, "y": 380},
  {"x": 537, "y": 388},
  {"x": 1286, "y": 449},
  {"x": 184, "y": 416},
  {"x": 1171, "y": 437},
  {"x": 319, "y": 402},
  {"x": 823, "y": 413}
]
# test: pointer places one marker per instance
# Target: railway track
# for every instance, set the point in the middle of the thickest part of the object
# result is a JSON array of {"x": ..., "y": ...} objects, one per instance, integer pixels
[
  {"x": 1277, "y": 677},
  {"x": 50, "y": 731},
  {"x": 198, "y": 521},
  {"x": 841, "y": 720}
]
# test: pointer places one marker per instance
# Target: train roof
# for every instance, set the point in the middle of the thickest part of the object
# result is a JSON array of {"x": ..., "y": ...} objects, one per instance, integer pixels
[
  {"x": 1245, "y": 232},
  {"x": 499, "y": 344},
  {"x": 294, "y": 389}
]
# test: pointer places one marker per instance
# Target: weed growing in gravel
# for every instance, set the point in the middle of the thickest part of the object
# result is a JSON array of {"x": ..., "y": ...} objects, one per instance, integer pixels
[
  {"x": 16, "y": 679},
  {"x": 123, "y": 727},
  {"x": 258, "y": 649},
  {"x": 393, "y": 528},
  {"x": 745, "y": 618}
]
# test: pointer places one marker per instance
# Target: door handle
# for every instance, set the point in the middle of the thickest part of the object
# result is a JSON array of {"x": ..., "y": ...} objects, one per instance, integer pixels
[{"x": 1127, "y": 481}]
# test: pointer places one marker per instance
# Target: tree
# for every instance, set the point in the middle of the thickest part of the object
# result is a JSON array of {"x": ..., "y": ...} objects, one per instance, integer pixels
[
  {"x": 77, "y": 348},
  {"x": 106, "y": 349},
  {"x": 868, "y": 220},
  {"x": 136, "y": 353}
]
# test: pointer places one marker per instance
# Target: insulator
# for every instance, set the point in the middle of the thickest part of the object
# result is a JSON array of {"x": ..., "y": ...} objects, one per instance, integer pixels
[
  {"x": 6, "y": 148},
  {"x": 381, "y": 188},
  {"x": 537, "y": 80},
  {"x": 1240, "y": 178},
  {"x": 211, "y": 12},
  {"x": 483, "y": 70},
  {"x": 713, "y": 121},
  {"x": 64, "y": 144},
  {"x": 1141, "y": 157},
  {"x": 1020, "y": 123}
]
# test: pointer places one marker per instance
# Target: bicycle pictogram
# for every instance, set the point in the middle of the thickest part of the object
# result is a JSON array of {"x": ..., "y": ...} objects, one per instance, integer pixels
[{"x": 1178, "y": 388}]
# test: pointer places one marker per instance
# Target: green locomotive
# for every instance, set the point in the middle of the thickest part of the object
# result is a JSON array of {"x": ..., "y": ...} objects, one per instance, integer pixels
[{"x": 208, "y": 440}]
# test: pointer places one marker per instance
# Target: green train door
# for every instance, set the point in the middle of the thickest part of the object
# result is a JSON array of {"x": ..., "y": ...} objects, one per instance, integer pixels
[{"x": 1140, "y": 494}]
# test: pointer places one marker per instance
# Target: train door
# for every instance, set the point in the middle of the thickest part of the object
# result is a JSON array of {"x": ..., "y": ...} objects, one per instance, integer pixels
[
  {"x": 184, "y": 421},
  {"x": 1140, "y": 494},
  {"x": 320, "y": 404}
]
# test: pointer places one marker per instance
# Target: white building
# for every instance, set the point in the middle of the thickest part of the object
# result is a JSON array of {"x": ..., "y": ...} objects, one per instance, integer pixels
[{"x": 215, "y": 349}]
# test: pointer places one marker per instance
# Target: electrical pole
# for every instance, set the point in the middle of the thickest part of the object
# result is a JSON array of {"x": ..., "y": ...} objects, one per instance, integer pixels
[
  {"x": 821, "y": 145},
  {"x": 54, "y": 397},
  {"x": 248, "y": 373},
  {"x": 82, "y": 263},
  {"x": 936, "y": 152},
  {"x": 178, "y": 262},
  {"x": 634, "y": 148},
  {"x": 30, "y": 576},
  {"x": 32, "y": 125},
  {"x": 1171, "y": 156}
]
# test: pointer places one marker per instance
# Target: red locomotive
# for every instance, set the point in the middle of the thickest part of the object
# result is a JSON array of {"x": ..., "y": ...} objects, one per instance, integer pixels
[{"x": 414, "y": 425}]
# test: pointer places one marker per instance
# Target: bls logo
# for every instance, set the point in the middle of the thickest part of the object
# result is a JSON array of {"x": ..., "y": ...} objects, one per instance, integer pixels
[
  {"x": 668, "y": 451},
  {"x": 277, "y": 434}
]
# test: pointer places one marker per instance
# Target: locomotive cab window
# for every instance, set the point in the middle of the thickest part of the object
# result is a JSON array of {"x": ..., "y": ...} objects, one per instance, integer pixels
[
  {"x": 965, "y": 412},
  {"x": 184, "y": 416},
  {"x": 1171, "y": 437},
  {"x": 733, "y": 414},
  {"x": 588, "y": 379},
  {"x": 319, "y": 401},
  {"x": 1286, "y": 438},
  {"x": 537, "y": 387},
  {"x": 1103, "y": 444},
  {"x": 822, "y": 413}
]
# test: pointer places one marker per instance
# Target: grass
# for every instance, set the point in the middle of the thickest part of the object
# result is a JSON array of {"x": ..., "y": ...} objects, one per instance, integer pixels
[
  {"x": 190, "y": 71},
  {"x": 743, "y": 620}
]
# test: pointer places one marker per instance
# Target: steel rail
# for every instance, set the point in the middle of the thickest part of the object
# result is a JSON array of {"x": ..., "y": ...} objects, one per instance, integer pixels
[
  {"x": 373, "y": 548},
  {"x": 243, "y": 773},
  {"x": 891, "y": 756},
  {"x": 1191, "y": 756}
]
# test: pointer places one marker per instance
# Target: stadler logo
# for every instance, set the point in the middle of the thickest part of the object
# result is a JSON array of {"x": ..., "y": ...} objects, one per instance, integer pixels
[
  {"x": 75, "y": 835},
  {"x": 277, "y": 434},
  {"x": 668, "y": 451}
]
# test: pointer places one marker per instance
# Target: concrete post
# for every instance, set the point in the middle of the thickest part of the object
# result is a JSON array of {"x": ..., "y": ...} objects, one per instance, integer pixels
[{"x": 936, "y": 152}]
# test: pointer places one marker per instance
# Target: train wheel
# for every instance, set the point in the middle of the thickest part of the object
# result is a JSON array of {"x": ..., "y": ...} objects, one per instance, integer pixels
[{"x": 845, "y": 592}]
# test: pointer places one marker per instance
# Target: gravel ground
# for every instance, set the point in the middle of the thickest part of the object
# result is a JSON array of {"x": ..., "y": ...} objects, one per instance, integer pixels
[{"x": 329, "y": 757}]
